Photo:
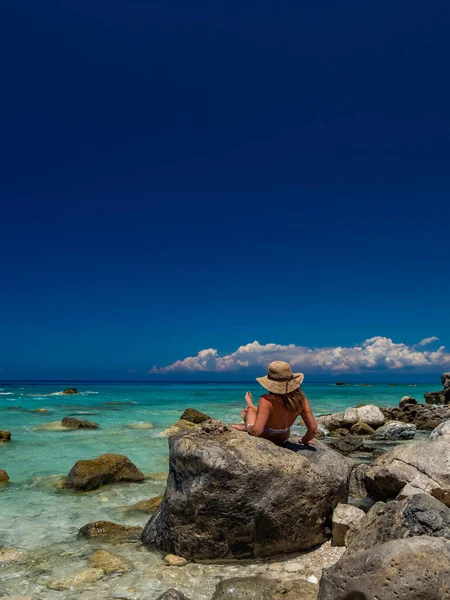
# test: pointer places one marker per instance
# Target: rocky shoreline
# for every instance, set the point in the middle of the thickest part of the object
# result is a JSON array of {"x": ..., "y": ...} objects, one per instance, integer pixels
[{"x": 364, "y": 513}]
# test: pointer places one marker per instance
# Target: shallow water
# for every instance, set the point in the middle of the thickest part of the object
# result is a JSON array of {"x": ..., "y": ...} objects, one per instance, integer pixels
[{"x": 42, "y": 521}]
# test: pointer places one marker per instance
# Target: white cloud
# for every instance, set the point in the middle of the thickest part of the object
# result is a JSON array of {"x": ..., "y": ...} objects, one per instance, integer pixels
[
  {"x": 427, "y": 341},
  {"x": 375, "y": 353}
]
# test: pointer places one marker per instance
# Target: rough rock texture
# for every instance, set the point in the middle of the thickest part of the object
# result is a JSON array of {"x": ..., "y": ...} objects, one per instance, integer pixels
[
  {"x": 346, "y": 518},
  {"x": 423, "y": 416},
  {"x": 147, "y": 506},
  {"x": 395, "y": 430},
  {"x": 4, "y": 477},
  {"x": 194, "y": 416},
  {"x": 411, "y": 569},
  {"x": 442, "y": 397},
  {"x": 181, "y": 425},
  {"x": 234, "y": 495},
  {"x": 172, "y": 560},
  {"x": 73, "y": 423},
  {"x": 108, "y": 562},
  {"x": 258, "y": 588},
  {"x": 70, "y": 391},
  {"x": 348, "y": 444},
  {"x": 107, "y": 468},
  {"x": 407, "y": 400},
  {"x": 172, "y": 594},
  {"x": 111, "y": 532},
  {"x": 419, "y": 514},
  {"x": 425, "y": 465},
  {"x": 78, "y": 580},
  {"x": 369, "y": 414},
  {"x": 5, "y": 436},
  {"x": 441, "y": 430},
  {"x": 357, "y": 487},
  {"x": 339, "y": 432},
  {"x": 361, "y": 429}
]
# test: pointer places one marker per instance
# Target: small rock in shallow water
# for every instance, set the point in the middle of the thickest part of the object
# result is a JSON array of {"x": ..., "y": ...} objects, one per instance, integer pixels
[
  {"x": 5, "y": 436},
  {"x": 143, "y": 426},
  {"x": 147, "y": 506},
  {"x": 175, "y": 561},
  {"x": 395, "y": 430},
  {"x": 4, "y": 477},
  {"x": 111, "y": 532},
  {"x": 70, "y": 391},
  {"x": 9, "y": 555},
  {"x": 108, "y": 562},
  {"x": 88, "y": 475},
  {"x": 74, "y": 423},
  {"x": 77, "y": 581},
  {"x": 161, "y": 476}
]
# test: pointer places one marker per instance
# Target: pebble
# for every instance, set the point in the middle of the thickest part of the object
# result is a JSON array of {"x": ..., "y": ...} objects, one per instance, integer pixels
[{"x": 175, "y": 561}]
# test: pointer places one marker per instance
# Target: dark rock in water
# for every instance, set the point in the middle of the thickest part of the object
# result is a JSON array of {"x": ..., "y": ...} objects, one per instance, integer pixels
[
  {"x": 73, "y": 423},
  {"x": 348, "y": 444},
  {"x": 70, "y": 391},
  {"x": 419, "y": 514},
  {"x": 147, "y": 506},
  {"x": 194, "y": 416},
  {"x": 5, "y": 436},
  {"x": 232, "y": 495},
  {"x": 415, "y": 568},
  {"x": 395, "y": 430},
  {"x": 423, "y": 416},
  {"x": 442, "y": 397},
  {"x": 361, "y": 429},
  {"x": 339, "y": 383},
  {"x": 357, "y": 487},
  {"x": 4, "y": 477},
  {"x": 258, "y": 588},
  {"x": 88, "y": 475},
  {"x": 424, "y": 465},
  {"x": 339, "y": 432},
  {"x": 172, "y": 594},
  {"x": 407, "y": 400},
  {"x": 111, "y": 532}
]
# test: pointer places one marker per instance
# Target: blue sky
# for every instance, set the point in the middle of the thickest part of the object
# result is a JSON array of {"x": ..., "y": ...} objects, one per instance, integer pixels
[{"x": 177, "y": 177}]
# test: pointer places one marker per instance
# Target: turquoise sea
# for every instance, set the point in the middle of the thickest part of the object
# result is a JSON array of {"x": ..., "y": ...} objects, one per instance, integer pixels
[{"x": 41, "y": 521}]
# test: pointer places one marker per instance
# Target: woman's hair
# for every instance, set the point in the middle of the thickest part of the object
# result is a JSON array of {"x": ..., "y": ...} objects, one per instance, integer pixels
[{"x": 293, "y": 401}]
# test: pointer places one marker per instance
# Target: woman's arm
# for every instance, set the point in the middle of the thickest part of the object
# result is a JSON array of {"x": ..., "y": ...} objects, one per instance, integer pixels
[
  {"x": 310, "y": 422},
  {"x": 262, "y": 416}
]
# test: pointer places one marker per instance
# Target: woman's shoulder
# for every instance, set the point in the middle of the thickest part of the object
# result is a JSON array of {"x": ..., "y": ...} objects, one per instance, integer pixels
[{"x": 270, "y": 397}]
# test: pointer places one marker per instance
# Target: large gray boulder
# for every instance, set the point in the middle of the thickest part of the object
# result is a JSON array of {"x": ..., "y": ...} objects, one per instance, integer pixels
[
  {"x": 233, "y": 495},
  {"x": 395, "y": 430},
  {"x": 346, "y": 518},
  {"x": 415, "y": 568},
  {"x": 419, "y": 514},
  {"x": 424, "y": 465},
  {"x": 441, "y": 430},
  {"x": 369, "y": 414}
]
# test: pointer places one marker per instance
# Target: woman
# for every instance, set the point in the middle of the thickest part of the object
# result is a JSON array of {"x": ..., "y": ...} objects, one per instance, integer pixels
[{"x": 277, "y": 411}]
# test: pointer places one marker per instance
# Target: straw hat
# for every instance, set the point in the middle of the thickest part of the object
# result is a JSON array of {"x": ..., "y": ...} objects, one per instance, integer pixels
[{"x": 280, "y": 379}]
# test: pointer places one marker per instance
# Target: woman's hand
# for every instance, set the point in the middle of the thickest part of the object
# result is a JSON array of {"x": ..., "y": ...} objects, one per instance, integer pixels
[{"x": 249, "y": 399}]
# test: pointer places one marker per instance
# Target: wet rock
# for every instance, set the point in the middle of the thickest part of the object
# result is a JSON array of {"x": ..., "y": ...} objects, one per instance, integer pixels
[
  {"x": 78, "y": 581},
  {"x": 5, "y": 436},
  {"x": 258, "y": 588},
  {"x": 74, "y": 423},
  {"x": 140, "y": 426},
  {"x": 340, "y": 432},
  {"x": 108, "y": 562},
  {"x": 346, "y": 518},
  {"x": 407, "y": 400},
  {"x": 8, "y": 555},
  {"x": 416, "y": 515},
  {"x": 414, "y": 568},
  {"x": 172, "y": 594},
  {"x": 441, "y": 430},
  {"x": 348, "y": 444},
  {"x": 194, "y": 416},
  {"x": 108, "y": 468},
  {"x": 180, "y": 426},
  {"x": 361, "y": 429},
  {"x": 4, "y": 477},
  {"x": 111, "y": 532},
  {"x": 175, "y": 561},
  {"x": 70, "y": 391},
  {"x": 357, "y": 487},
  {"x": 211, "y": 475},
  {"x": 395, "y": 430},
  {"x": 41, "y": 410},
  {"x": 147, "y": 506},
  {"x": 424, "y": 465}
]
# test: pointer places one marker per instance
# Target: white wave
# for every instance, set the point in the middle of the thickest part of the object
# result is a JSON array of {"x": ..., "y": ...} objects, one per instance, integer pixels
[{"x": 6, "y": 393}]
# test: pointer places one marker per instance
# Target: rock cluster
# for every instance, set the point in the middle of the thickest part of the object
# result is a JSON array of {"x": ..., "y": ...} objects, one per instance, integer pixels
[
  {"x": 354, "y": 419},
  {"x": 231, "y": 495},
  {"x": 88, "y": 475},
  {"x": 423, "y": 416}
]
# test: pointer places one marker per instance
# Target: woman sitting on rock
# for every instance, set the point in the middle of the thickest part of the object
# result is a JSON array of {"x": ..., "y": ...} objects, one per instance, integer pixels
[{"x": 277, "y": 411}]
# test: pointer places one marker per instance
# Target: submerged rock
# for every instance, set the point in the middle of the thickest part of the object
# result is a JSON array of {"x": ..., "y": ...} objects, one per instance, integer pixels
[
  {"x": 140, "y": 426},
  {"x": 258, "y": 588},
  {"x": 416, "y": 568},
  {"x": 425, "y": 465},
  {"x": 74, "y": 423},
  {"x": 233, "y": 495},
  {"x": 5, "y": 436},
  {"x": 88, "y": 475},
  {"x": 194, "y": 416},
  {"x": 346, "y": 518},
  {"x": 8, "y": 555},
  {"x": 108, "y": 562},
  {"x": 111, "y": 532},
  {"x": 4, "y": 477},
  {"x": 419, "y": 514},
  {"x": 441, "y": 430},
  {"x": 70, "y": 391},
  {"x": 395, "y": 430},
  {"x": 147, "y": 506},
  {"x": 77, "y": 581}
]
